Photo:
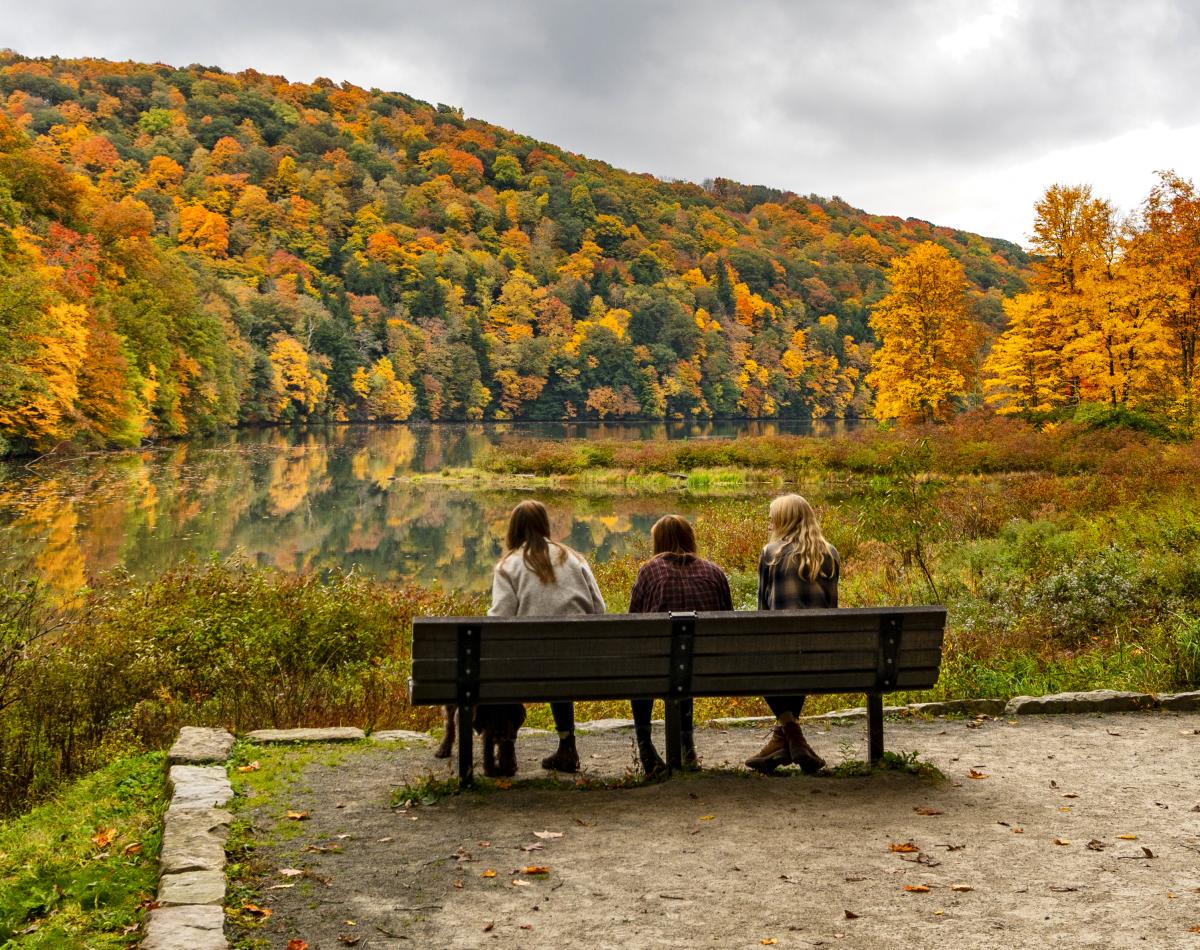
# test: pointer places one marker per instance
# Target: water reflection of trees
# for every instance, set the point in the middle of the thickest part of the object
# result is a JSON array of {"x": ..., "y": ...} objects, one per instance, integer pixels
[{"x": 307, "y": 500}]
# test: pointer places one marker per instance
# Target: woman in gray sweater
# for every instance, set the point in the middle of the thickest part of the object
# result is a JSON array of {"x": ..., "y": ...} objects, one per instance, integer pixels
[{"x": 538, "y": 577}]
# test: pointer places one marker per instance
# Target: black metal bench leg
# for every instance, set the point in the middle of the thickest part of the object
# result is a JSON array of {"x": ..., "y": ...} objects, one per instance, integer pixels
[
  {"x": 875, "y": 727},
  {"x": 466, "y": 752},
  {"x": 674, "y": 725}
]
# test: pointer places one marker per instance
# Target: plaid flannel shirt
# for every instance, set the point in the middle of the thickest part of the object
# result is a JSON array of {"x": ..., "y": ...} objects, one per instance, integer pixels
[
  {"x": 780, "y": 589},
  {"x": 675, "y": 582}
]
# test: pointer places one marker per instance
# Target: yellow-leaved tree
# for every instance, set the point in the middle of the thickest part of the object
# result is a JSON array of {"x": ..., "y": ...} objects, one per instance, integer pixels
[
  {"x": 926, "y": 358},
  {"x": 1023, "y": 372},
  {"x": 386, "y": 397}
]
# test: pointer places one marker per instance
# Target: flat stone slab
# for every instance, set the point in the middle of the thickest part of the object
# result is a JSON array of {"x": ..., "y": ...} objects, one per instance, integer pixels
[
  {"x": 195, "y": 927},
  {"x": 742, "y": 720},
  {"x": 192, "y": 887},
  {"x": 965, "y": 707},
  {"x": 603, "y": 725},
  {"x": 197, "y": 745},
  {"x": 194, "y": 840},
  {"x": 1096, "y": 700},
  {"x": 199, "y": 786},
  {"x": 1181, "y": 702},
  {"x": 401, "y": 735},
  {"x": 333, "y": 734}
]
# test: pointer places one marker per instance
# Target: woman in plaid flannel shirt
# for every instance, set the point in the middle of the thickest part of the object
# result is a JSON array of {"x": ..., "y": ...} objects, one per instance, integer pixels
[
  {"x": 674, "y": 579},
  {"x": 798, "y": 569}
]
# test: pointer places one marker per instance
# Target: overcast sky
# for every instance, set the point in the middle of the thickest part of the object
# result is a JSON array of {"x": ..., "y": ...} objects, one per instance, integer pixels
[{"x": 958, "y": 112}]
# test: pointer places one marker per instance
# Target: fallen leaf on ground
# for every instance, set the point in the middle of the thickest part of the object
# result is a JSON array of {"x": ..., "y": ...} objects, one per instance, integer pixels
[
  {"x": 1064, "y": 808},
  {"x": 1063, "y": 888},
  {"x": 1070, "y": 795},
  {"x": 536, "y": 846},
  {"x": 1194, "y": 930},
  {"x": 768, "y": 941},
  {"x": 297, "y": 944},
  {"x": 850, "y": 915},
  {"x": 103, "y": 837},
  {"x": 707, "y": 817},
  {"x": 262, "y": 913},
  {"x": 487, "y": 928},
  {"x": 1147, "y": 852},
  {"x": 503, "y": 783},
  {"x": 252, "y": 767},
  {"x": 975, "y": 773},
  {"x": 517, "y": 883},
  {"x": 1096, "y": 845},
  {"x": 535, "y": 869},
  {"x": 921, "y": 810},
  {"x": 961, "y": 888},
  {"x": 290, "y": 872},
  {"x": 298, "y": 815},
  {"x": 350, "y": 940},
  {"x": 488, "y": 873},
  {"x": 131, "y": 849},
  {"x": 1061, "y": 841},
  {"x": 916, "y": 888},
  {"x": 1127, "y": 837},
  {"x": 548, "y": 835},
  {"x": 458, "y": 885},
  {"x": 1018, "y": 831},
  {"x": 386, "y": 840},
  {"x": 906, "y": 848}
]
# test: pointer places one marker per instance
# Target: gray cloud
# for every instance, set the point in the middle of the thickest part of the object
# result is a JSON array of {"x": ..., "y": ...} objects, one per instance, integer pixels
[{"x": 894, "y": 106}]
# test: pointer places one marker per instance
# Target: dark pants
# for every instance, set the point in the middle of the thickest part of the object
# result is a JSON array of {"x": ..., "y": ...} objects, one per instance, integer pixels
[
  {"x": 564, "y": 716},
  {"x": 642, "y": 709},
  {"x": 785, "y": 704}
]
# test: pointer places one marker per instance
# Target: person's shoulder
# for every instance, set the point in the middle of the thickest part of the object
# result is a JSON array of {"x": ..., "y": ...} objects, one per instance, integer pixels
[{"x": 712, "y": 567}]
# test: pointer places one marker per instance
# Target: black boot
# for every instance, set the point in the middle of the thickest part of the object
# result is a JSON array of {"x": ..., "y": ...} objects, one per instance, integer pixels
[
  {"x": 565, "y": 758},
  {"x": 652, "y": 763}
]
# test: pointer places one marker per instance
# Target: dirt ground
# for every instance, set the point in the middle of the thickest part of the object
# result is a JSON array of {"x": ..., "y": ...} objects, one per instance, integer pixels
[{"x": 726, "y": 858}]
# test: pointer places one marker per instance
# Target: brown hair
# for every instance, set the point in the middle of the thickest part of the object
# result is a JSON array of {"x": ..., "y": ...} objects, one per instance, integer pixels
[
  {"x": 672, "y": 534},
  {"x": 529, "y": 529}
]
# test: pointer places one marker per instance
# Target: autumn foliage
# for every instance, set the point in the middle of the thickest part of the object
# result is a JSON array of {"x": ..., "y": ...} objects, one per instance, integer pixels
[{"x": 185, "y": 249}]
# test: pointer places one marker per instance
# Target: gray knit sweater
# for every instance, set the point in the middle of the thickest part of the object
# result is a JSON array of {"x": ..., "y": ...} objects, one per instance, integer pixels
[{"x": 518, "y": 592}]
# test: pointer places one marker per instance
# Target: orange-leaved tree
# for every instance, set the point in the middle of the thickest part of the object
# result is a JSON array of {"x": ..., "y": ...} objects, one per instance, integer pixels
[{"x": 925, "y": 362}]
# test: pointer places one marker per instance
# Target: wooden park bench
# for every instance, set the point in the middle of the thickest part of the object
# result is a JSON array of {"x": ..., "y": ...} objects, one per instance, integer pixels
[{"x": 872, "y": 650}]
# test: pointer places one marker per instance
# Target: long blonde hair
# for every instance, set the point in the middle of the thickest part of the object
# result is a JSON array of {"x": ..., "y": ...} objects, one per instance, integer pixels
[{"x": 796, "y": 531}]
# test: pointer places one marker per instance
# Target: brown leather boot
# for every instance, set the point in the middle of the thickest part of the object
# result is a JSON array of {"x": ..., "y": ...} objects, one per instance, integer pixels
[
  {"x": 774, "y": 754},
  {"x": 799, "y": 751}
]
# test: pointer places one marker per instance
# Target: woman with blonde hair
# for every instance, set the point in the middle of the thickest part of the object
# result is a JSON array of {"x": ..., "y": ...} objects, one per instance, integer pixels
[
  {"x": 539, "y": 577},
  {"x": 675, "y": 578},
  {"x": 798, "y": 569}
]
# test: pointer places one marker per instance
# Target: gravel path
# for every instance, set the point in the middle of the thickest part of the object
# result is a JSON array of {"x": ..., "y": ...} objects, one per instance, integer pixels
[{"x": 730, "y": 859}]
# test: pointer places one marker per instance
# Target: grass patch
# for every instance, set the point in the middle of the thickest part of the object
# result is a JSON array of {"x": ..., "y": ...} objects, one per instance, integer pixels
[
  {"x": 79, "y": 871},
  {"x": 910, "y": 763}
]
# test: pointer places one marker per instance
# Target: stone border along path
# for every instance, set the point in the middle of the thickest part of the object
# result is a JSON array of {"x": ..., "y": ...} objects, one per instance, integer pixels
[{"x": 191, "y": 887}]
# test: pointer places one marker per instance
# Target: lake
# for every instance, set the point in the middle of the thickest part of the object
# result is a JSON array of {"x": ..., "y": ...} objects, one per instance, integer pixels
[{"x": 314, "y": 499}]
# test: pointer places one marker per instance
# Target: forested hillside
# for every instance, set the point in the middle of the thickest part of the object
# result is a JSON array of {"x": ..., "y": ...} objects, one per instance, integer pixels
[{"x": 185, "y": 249}]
